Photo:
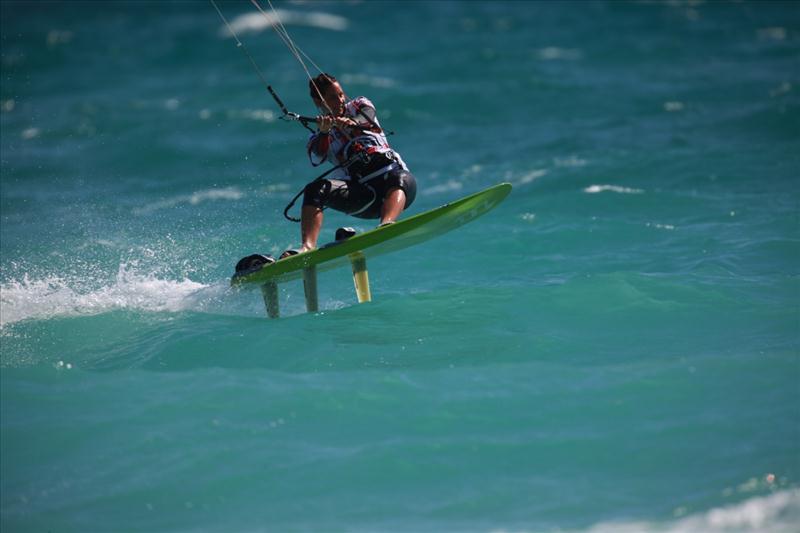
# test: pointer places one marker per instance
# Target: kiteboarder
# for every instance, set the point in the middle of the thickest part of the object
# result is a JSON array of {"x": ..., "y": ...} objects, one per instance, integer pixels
[{"x": 371, "y": 180}]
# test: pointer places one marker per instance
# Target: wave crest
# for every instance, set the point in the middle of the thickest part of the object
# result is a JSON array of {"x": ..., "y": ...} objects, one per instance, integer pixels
[
  {"x": 595, "y": 189},
  {"x": 257, "y": 22}
]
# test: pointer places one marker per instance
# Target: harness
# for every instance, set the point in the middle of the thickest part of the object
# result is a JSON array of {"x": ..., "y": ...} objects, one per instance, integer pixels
[
  {"x": 360, "y": 156},
  {"x": 381, "y": 171},
  {"x": 354, "y": 159}
]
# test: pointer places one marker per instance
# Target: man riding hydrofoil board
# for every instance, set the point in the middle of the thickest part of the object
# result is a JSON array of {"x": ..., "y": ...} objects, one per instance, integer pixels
[{"x": 372, "y": 180}]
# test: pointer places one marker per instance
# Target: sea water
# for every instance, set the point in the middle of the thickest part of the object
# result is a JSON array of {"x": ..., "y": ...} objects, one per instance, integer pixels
[{"x": 614, "y": 348}]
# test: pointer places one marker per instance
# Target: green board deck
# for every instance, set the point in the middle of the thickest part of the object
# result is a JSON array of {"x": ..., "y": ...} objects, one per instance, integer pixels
[{"x": 402, "y": 234}]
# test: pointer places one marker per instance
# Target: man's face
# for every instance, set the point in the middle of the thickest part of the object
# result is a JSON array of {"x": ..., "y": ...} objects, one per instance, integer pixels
[{"x": 334, "y": 100}]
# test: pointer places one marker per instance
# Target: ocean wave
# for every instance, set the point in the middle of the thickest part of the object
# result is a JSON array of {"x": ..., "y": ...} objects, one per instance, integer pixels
[
  {"x": 59, "y": 37},
  {"x": 778, "y": 512},
  {"x": 594, "y": 189},
  {"x": 530, "y": 176},
  {"x": 257, "y": 22},
  {"x": 54, "y": 296},
  {"x": 660, "y": 226},
  {"x": 673, "y": 106},
  {"x": 371, "y": 81},
  {"x": 262, "y": 115},
  {"x": 197, "y": 197},
  {"x": 554, "y": 53},
  {"x": 773, "y": 33},
  {"x": 448, "y": 186},
  {"x": 572, "y": 161}
]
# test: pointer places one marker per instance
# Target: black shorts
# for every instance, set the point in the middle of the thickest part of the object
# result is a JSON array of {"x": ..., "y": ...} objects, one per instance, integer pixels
[{"x": 362, "y": 200}]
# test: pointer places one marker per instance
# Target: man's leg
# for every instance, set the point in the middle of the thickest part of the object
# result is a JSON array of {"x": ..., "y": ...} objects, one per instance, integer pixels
[
  {"x": 393, "y": 205},
  {"x": 310, "y": 226}
]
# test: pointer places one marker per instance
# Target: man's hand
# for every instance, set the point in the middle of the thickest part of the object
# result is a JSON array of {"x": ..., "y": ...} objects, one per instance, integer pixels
[
  {"x": 326, "y": 122},
  {"x": 344, "y": 123}
]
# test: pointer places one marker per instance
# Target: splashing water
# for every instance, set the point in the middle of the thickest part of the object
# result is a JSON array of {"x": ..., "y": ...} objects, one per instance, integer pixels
[{"x": 55, "y": 296}]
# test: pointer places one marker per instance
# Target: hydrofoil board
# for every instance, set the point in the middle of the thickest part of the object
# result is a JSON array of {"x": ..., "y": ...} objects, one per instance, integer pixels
[{"x": 356, "y": 250}]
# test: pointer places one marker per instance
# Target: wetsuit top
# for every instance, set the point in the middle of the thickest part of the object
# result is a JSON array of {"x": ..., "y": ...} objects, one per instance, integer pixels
[{"x": 337, "y": 146}]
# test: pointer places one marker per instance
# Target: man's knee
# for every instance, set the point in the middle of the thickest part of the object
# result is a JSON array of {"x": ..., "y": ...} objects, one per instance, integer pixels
[
  {"x": 315, "y": 193},
  {"x": 404, "y": 181}
]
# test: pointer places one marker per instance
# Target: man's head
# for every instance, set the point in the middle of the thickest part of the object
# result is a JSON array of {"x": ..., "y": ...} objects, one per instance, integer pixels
[{"x": 327, "y": 94}]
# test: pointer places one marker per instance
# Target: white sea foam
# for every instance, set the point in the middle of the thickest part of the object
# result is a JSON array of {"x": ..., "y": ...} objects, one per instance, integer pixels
[
  {"x": 572, "y": 161},
  {"x": 54, "y": 296},
  {"x": 229, "y": 193},
  {"x": 197, "y": 197},
  {"x": 660, "y": 226},
  {"x": 261, "y": 115},
  {"x": 448, "y": 186},
  {"x": 59, "y": 37},
  {"x": 30, "y": 133},
  {"x": 594, "y": 189},
  {"x": 371, "y": 81},
  {"x": 472, "y": 170},
  {"x": 776, "y": 513},
  {"x": 674, "y": 106},
  {"x": 784, "y": 88},
  {"x": 554, "y": 53},
  {"x": 530, "y": 176},
  {"x": 775, "y": 33},
  {"x": 257, "y": 22}
]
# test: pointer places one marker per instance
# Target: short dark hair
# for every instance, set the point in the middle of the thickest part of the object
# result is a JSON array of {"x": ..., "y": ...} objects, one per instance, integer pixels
[{"x": 320, "y": 84}]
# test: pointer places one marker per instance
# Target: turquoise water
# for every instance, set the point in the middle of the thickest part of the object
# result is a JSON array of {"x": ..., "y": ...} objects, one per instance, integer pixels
[{"x": 614, "y": 348}]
